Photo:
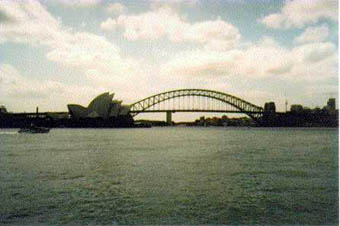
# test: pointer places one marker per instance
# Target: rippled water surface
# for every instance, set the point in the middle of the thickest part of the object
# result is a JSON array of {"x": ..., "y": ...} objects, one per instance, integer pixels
[{"x": 169, "y": 176}]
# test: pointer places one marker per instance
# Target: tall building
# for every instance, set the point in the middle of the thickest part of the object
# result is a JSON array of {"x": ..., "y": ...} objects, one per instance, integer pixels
[
  {"x": 331, "y": 104},
  {"x": 269, "y": 107},
  {"x": 3, "y": 109}
]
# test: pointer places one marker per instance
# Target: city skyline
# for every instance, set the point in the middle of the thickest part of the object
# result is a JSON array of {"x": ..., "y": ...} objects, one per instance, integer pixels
[{"x": 54, "y": 53}]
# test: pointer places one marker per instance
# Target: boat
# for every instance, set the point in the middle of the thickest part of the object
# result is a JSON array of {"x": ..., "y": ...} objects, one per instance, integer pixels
[{"x": 34, "y": 129}]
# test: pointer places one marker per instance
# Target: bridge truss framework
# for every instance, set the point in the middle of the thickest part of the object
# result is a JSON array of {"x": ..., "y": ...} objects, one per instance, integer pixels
[{"x": 239, "y": 105}]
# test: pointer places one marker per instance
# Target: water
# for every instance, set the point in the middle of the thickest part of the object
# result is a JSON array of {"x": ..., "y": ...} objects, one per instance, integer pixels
[{"x": 169, "y": 176}]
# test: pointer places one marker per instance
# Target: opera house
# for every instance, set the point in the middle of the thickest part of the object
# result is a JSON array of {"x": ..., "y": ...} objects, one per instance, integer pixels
[{"x": 102, "y": 109}]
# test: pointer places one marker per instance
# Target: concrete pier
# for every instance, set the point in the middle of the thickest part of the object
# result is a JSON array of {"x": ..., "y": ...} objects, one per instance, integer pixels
[{"x": 169, "y": 117}]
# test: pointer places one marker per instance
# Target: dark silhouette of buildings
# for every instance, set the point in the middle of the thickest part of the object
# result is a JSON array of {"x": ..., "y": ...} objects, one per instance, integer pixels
[
  {"x": 331, "y": 104},
  {"x": 300, "y": 116},
  {"x": 104, "y": 112}
]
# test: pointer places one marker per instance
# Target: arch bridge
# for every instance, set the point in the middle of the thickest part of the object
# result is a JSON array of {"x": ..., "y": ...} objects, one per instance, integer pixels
[{"x": 195, "y": 100}]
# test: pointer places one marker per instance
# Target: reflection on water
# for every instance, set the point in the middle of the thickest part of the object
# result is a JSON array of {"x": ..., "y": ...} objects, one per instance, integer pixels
[
  {"x": 8, "y": 132},
  {"x": 169, "y": 176}
]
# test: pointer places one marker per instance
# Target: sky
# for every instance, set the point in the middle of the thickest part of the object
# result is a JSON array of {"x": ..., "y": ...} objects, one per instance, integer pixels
[{"x": 57, "y": 52}]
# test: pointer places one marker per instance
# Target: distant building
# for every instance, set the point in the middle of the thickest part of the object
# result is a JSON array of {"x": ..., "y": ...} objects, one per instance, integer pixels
[
  {"x": 3, "y": 109},
  {"x": 331, "y": 104},
  {"x": 269, "y": 114},
  {"x": 100, "y": 107},
  {"x": 269, "y": 107}
]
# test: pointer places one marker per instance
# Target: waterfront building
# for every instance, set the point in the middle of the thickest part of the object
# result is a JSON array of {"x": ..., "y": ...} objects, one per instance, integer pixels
[
  {"x": 331, "y": 104},
  {"x": 269, "y": 107},
  {"x": 3, "y": 109},
  {"x": 103, "y": 106},
  {"x": 269, "y": 114}
]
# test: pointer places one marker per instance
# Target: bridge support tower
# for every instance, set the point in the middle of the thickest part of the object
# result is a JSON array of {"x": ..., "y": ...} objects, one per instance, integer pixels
[{"x": 169, "y": 118}]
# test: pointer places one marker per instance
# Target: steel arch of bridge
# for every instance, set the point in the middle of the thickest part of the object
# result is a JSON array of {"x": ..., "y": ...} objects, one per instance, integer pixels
[{"x": 253, "y": 111}]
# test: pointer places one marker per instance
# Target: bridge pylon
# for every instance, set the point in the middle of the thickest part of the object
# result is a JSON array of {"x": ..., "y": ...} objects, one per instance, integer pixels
[{"x": 169, "y": 118}]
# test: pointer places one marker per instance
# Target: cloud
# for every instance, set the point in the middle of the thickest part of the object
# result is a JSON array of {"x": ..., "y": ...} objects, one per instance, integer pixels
[
  {"x": 29, "y": 93},
  {"x": 262, "y": 60},
  {"x": 254, "y": 62},
  {"x": 30, "y": 23},
  {"x": 116, "y": 8},
  {"x": 83, "y": 49},
  {"x": 273, "y": 20},
  {"x": 215, "y": 35},
  {"x": 314, "y": 52},
  {"x": 313, "y": 34},
  {"x": 80, "y": 3},
  {"x": 98, "y": 59},
  {"x": 173, "y": 3},
  {"x": 109, "y": 25},
  {"x": 298, "y": 13},
  {"x": 165, "y": 22},
  {"x": 13, "y": 84},
  {"x": 34, "y": 25},
  {"x": 150, "y": 25}
]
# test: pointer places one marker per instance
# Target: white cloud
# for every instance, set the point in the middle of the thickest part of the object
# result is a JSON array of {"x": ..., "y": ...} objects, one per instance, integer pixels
[
  {"x": 83, "y": 49},
  {"x": 13, "y": 84},
  {"x": 108, "y": 25},
  {"x": 34, "y": 25},
  {"x": 151, "y": 25},
  {"x": 256, "y": 61},
  {"x": 297, "y": 13},
  {"x": 29, "y": 93},
  {"x": 98, "y": 59},
  {"x": 266, "y": 59},
  {"x": 116, "y": 8},
  {"x": 80, "y": 3},
  {"x": 313, "y": 34},
  {"x": 29, "y": 23},
  {"x": 173, "y": 3},
  {"x": 165, "y": 22},
  {"x": 201, "y": 63},
  {"x": 216, "y": 35},
  {"x": 273, "y": 20},
  {"x": 314, "y": 52}
]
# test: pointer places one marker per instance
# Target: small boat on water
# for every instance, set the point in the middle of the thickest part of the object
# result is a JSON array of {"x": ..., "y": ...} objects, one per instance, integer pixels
[{"x": 34, "y": 129}]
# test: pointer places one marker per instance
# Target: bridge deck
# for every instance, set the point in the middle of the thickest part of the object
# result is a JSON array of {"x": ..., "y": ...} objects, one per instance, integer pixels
[{"x": 196, "y": 110}]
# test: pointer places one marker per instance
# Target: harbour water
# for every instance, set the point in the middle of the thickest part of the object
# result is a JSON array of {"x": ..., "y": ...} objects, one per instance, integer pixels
[{"x": 170, "y": 176}]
